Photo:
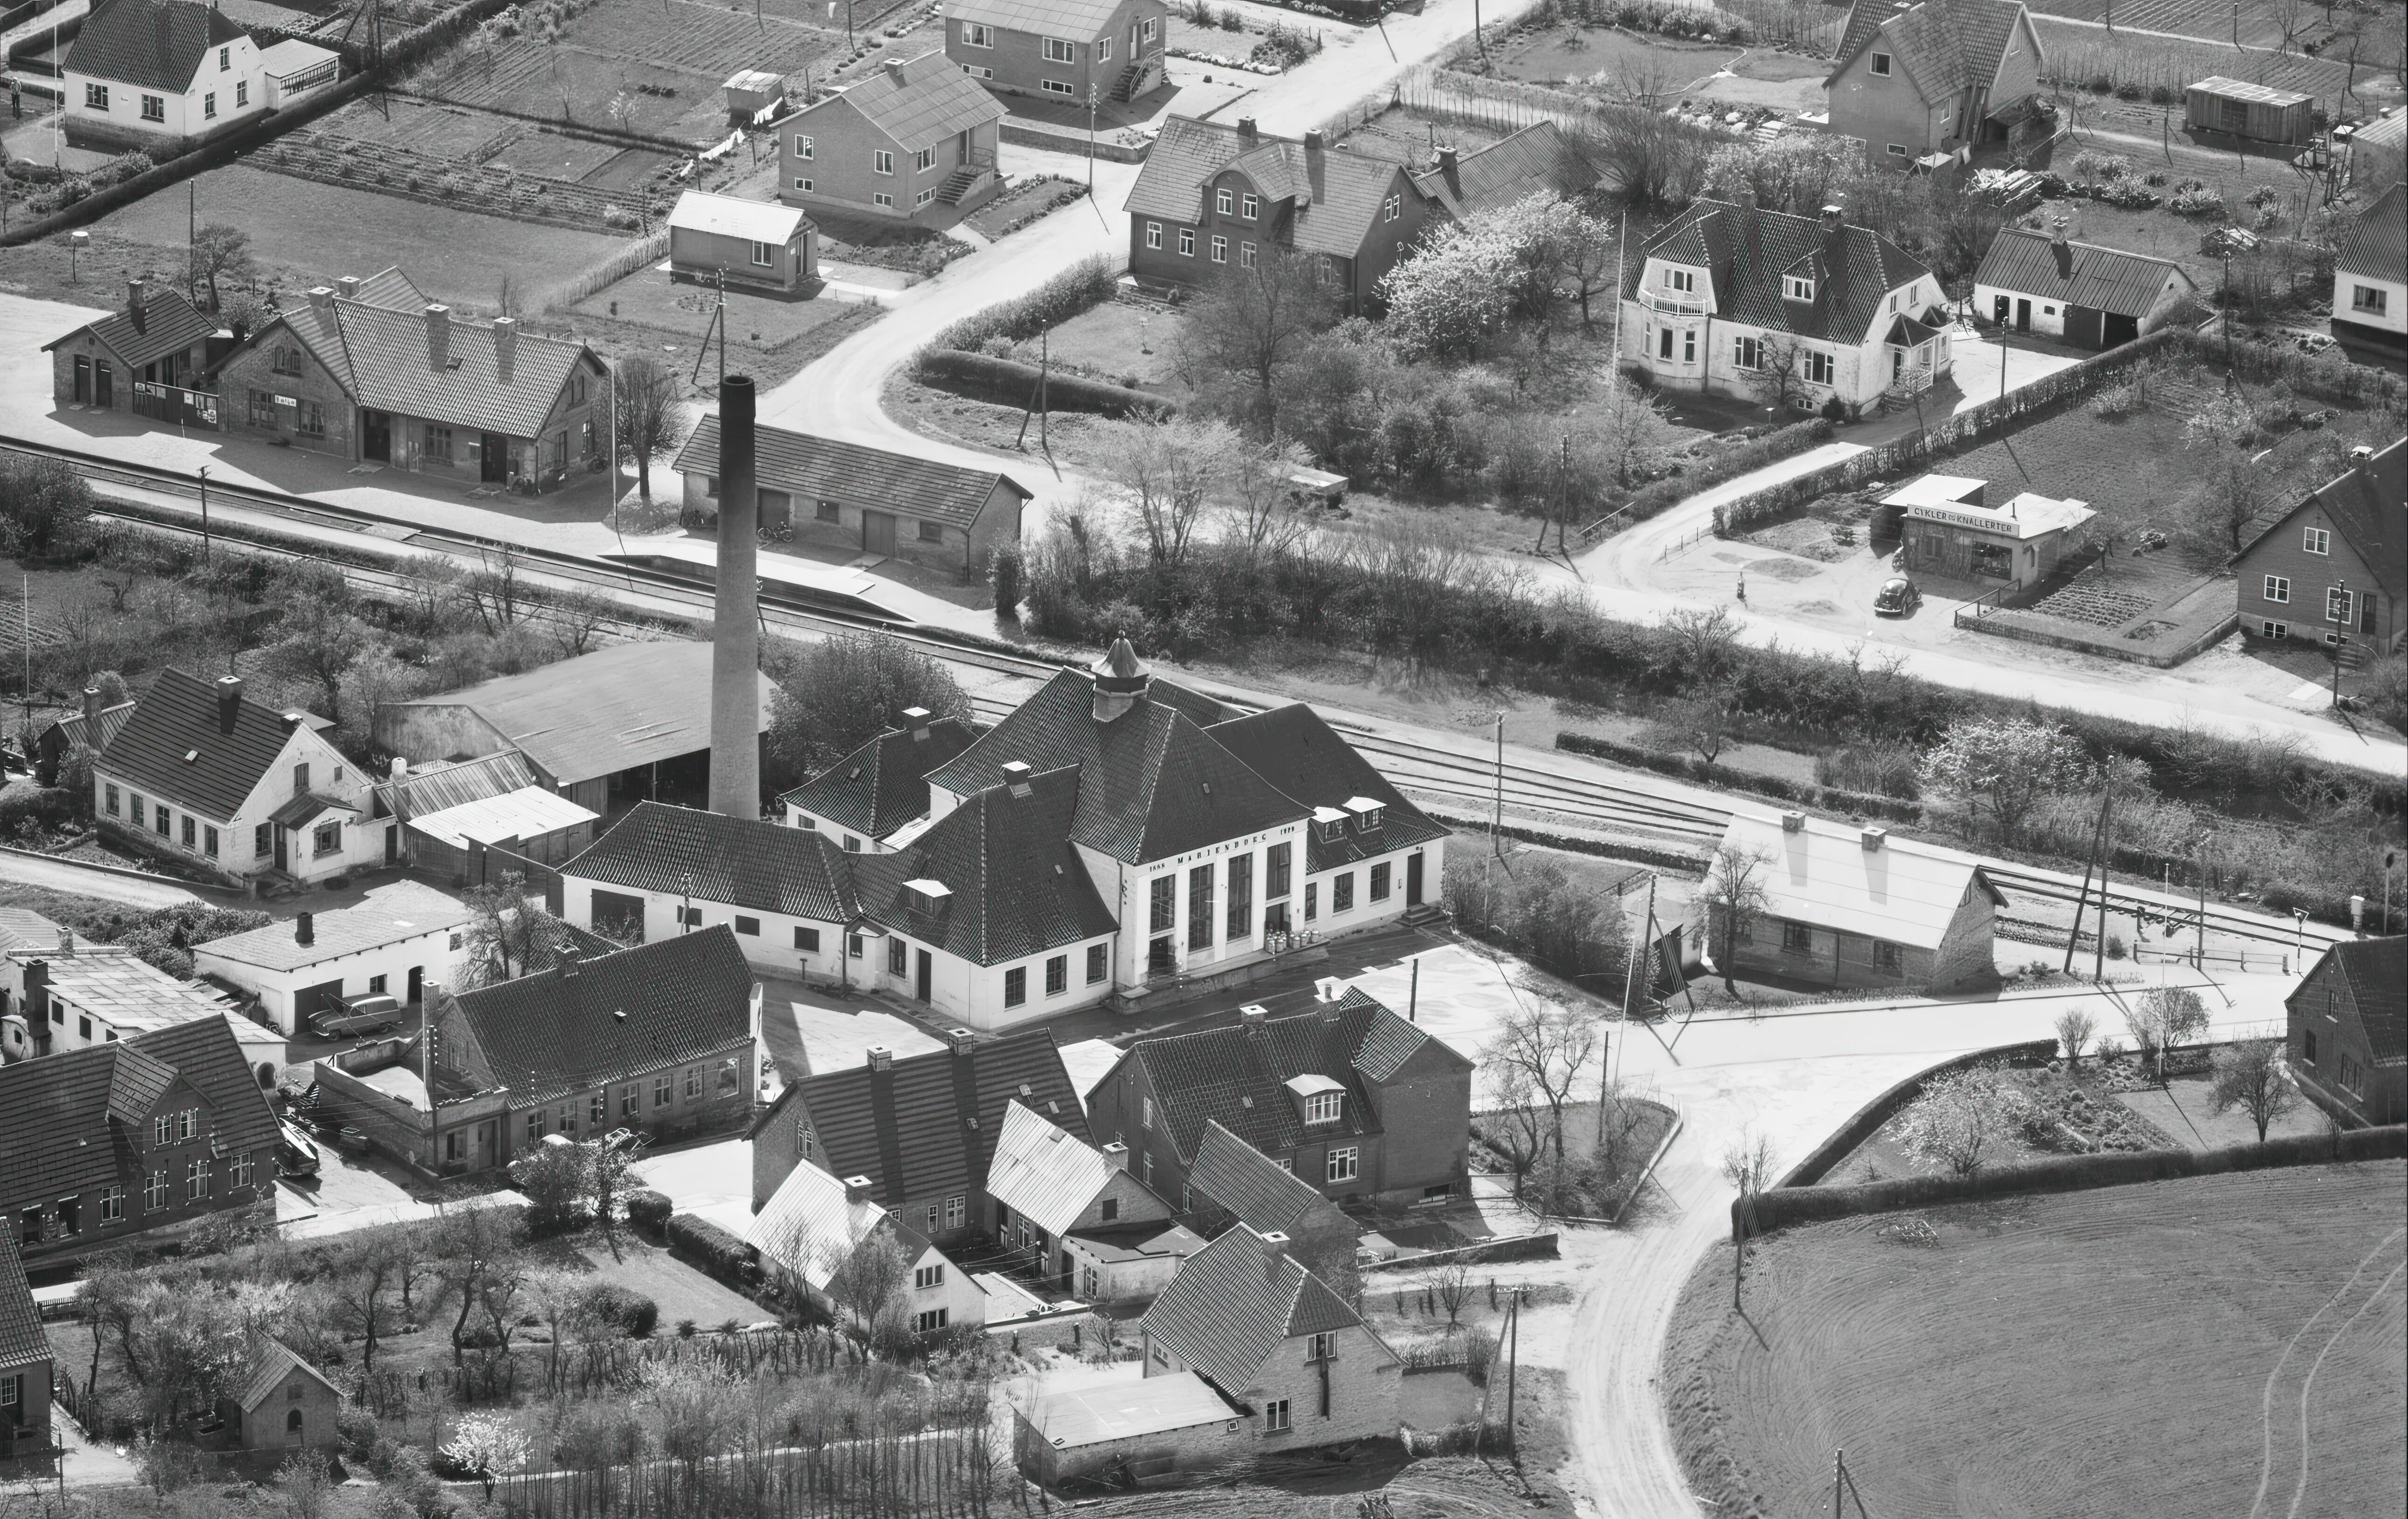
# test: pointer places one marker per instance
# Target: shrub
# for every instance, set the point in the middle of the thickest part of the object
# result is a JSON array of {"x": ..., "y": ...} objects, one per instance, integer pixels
[
  {"x": 2116, "y": 400},
  {"x": 1006, "y": 575},
  {"x": 715, "y": 1250},
  {"x": 2201, "y": 202},
  {"x": 631, "y": 1311},
  {"x": 650, "y": 1210},
  {"x": 1084, "y": 284},
  {"x": 1009, "y": 382}
]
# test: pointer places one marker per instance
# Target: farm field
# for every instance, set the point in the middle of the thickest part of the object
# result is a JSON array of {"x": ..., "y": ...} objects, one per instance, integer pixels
[
  {"x": 2075, "y": 53},
  {"x": 2256, "y": 22},
  {"x": 2166, "y": 1348}
]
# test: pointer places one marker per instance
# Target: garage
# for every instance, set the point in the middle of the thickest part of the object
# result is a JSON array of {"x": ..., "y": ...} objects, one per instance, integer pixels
[{"x": 2089, "y": 298}]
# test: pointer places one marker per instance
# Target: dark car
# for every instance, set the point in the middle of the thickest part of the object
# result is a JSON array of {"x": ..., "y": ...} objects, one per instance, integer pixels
[
  {"x": 1898, "y": 598},
  {"x": 360, "y": 1015}
]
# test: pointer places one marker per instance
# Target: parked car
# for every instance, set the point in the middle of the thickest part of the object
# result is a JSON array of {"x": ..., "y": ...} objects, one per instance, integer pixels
[
  {"x": 351, "y": 1142},
  {"x": 625, "y": 1139},
  {"x": 1897, "y": 598},
  {"x": 359, "y": 1015},
  {"x": 297, "y": 1153}
]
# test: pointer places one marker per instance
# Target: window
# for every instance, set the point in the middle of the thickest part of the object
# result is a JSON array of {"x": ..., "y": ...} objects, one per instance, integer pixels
[
  {"x": 243, "y": 1171},
  {"x": 1199, "y": 908},
  {"x": 1015, "y": 986},
  {"x": 2273, "y": 630},
  {"x": 1275, "y": 870},
  {"x": 535, "y": 1126},
  {"x": 1664, "y": 343},
  {"x": 2308, "y": 1045},
  {"x": 1393, "y": 207},
  {"x": 112, "y": 1204},
  {"x": 664, "y": 1090},
  {"x": 804, "y": 147},
  {"x": 242, "y": 92},
  {"x": 2366, "y": 298},
  {"x": 1103, "y": 49},
  {"x": 1797, "y": 939},
  {"x": 1058, "y": 975},
  {"x": 895, "y": 951},
  {"x": 1145, "y": 1112},
  {"x": 1689, "y": 347},
  {"x": 1881, "y": 64},
  {"x": 1145, "y": 30},
  {"x": 1818, "y": 368},
  {"x": 1322, "y": 1347},
  {"x": 1275, "y": 1416},
  {"x": 1163, "y": 912},
  {"x": 2278, "y": 588},
  {"x": 1796, "y": 287},
  {"x": 925, "y": 160},
  {"x": 1897, "y": 149},
  {"x": 1322, "y": 1107},
  {"x": 1342, "y": 1163},
  {"x": 1224, "y": 201},
  {"x": 930, "y": 1322},
  {"x": 692, "y": 916},
  {"x": 764, "y": 255},
  {"x": 162, "y": 817},
  {"x": 1886, "y": 956},
  {"x": 805, "y": 186},
  {"x": 1149, "y": 1169},
  {"x": 286, "y": 361},
  {"x": 1096, "y": 958},
  {"x": 1379, "y": 882},
  {"x": 327, "y": 839},
  {"x": 191, "y": 829},
  {"x": 262, "y": 840},
  {"x": 978, "y": 35},
  {"x": 748, "y": 926},
  {"x": 808, "y": 940},
  {"x": 1153, "y": 235},
  {"x": 377, "y": 985},
  {"x": 2337, "y": 605},
  {"x": 852, "y": 946},
  {"x": 631, "y": 1100},
  {"x": 1058, "y": 51},
  {"x": 83, "y": 1028},
  {"x": 932, "y": 532},
  {"x": 1246, "y": 256},
  {"x": 111, "y": 801},
  {"x": 1056, "y": 87},
  {"x": 1341, "y": 892},
  {"x": 1219, "y": 249},
  {"x": 929, "y": 1276},
  {"x": 881, "y": 161},
  {"x": 154, "y": 1192},
  {"x": 1240, "y": 925},
  {"x": 154, "y": 108},
  {"x": 95, "y": 97},
  {"x": 1680, "y": 279},
  {"x": 439, "y": 443},
  {"x": 957, "y": 1210},
  {"x": 1748, "y": 352},
  {"x": 1187, "y": 242},
  {"x": 1312, "y": 900},
  {"x": 2315, "y": 541},
  {"x": 807, "y": 1144},
  {"x": 209, "y": 105},
  {"x": 170, "y": 1129},
  {"x": 1251, "y": 206}
]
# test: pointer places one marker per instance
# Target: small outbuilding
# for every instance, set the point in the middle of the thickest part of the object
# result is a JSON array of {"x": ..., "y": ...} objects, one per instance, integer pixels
[
  {"x": 1948, "y": 532},
  {"x": 1141, "y": 1429},
  {"x": 285, "y": 1404},
  {"x": 2091, "y": 296},
  {"x": 402, "y": 937},
  {"x": 2349, "y": 1034},
  {"x": 753, "y": 94},
  {"x": 2239, "y": 109},
  {"x": 751, "y": 242}
]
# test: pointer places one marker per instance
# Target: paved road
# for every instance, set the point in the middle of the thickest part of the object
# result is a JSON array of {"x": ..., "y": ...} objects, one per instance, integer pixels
[{"x": 67, "y": 876}]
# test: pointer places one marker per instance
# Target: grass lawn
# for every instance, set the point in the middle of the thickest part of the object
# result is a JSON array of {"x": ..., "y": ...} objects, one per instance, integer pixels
[
  {"x": 683, "y": 1292},
  {"x": 1028, "y": 198},
  {"x": 1128, "y": 345},
  {"x": 2163, "y": 1348},
  {"x": 2184, "y": 1108},
  {"x": 1577, "y": 56}
]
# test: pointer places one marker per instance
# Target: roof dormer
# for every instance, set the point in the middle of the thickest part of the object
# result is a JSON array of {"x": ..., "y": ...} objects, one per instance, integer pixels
[
  {"x": 926, "y": 895},
  {"x": 1675, "y": 288},
  {"x": 1320, "y": 1100}
]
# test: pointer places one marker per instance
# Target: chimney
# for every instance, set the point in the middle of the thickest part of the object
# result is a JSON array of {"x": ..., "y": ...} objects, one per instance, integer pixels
[
  {"x": 1015, "y": 777},
  {"x": 1116, "y": 1156},
  {"x": 321, "y": 298},
  {"x": 894, "y": 69},
  {"x": 1274, "y": 1250},
  {"x": 1871, "y": 838},
  {"x": 229, "y": 700},
  {"x": 38, "y": 983},
  {"x": 736, "y": 614},
  {"x": 1247, "y": 136},
  {"x": 2056, "y": 230},
  {"x": 348, "y": 287},
  {"x": 134, "y": 305},
  {"x": 961, "y": 1039},
  {"x": 1830, "y": 218},
  {"x": 1312, "y": 140},
  {"x": 92, "y": 715},
  {"x": 916, "y": 719},
  {"x": 2361, "y": 459},
  {"x": 571, "y": 961},
  {"x": 1793, "y": 822},
  {"x": 1121, "y": 679},
  {"x": 856, "y": 1189},
  {"x": 1252, "y": 1015},
  {"x": 1447, "y": 160},
  {"x": 305, "y": 929},
  {"x": 438, "y": 336},
  {"x": 506, "y": 347},
  {"x": 400, "y": 768},
  {"x": 66, "y": 944},
  {"x": 881, "y": 1058}
]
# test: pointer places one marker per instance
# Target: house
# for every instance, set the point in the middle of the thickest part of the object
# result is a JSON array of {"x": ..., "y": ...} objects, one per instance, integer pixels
[
  {"x": 604, "y": 729},
  {"x": 744, "y": 242},
  {"x": 1537, "y": 160},
  {"x": 160, "y": 341},
  {"x": 78, "y": 736},
  {"x": 1118, "y": 1432},
  {"x": 1751, "y": 303},
  {"x": 374, "y": 372},
  {"x": 2378, "y": 151},
  {"x": 2369, "y": 302},
  {"x": 73, "y": 993},
  {"x": 815, "y": 1224},
  {"x": 874, "y": 794},
  {"x": 1948, "y": 531},
  {"x": 283, "y": 1403},
  {"x": 144, "y": 1137},
  {"x": 25, "y": 1361},
  {"x": 913, "y": 141},
  {"x": 1349, "y": 1097},
  {"x": 1272, "y": 1338},
  {"x": 1072, "y": 51},
  {"x": 1213, "y": 197},
  {"x": 449, "y": 818},
  {"x": 922, "y": 1129},
  {"x": 1072, "y": 1215},
  {"x": 2348, "y": 1040},
  {"x": 2335, "y": 566},
  {"x": 2241, "y": 108},
  {"x": 1845, "y": 905},
  {"x": 662, "y": 1040},
  {"x": 1933, "y": 76},
  {"x": 403, "y": 939},
  {"x": 872, "y": 499},
  {"x": 661, "y": 871},
  {"x": 2091, "y": 296},
  {"x": 1233, "y": 1182},
  {"x": 219, "y": 784},
  {"x": 146, "y": 73}
]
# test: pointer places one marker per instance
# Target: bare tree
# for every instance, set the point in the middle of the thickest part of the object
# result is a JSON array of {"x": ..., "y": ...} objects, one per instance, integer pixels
[
  {"x": 491, "y": 590},
  {"x": 1780, "y": 363},
  {"x": 2075, "y": 1027},
  {"x": 1518, "y": 1129},
  {"x": 1708, "y": 636},
  {"x": 2250, "y": 1076},
  {"x": 1265, "y": 511},
  {"x": 1254, "y": 322},
  {"x": 1167, "y": 470},
  {"x": 612, "y": 1171},
  {"x": 1548, "y": 1046},
  {"x": 651, "y": 415},
  {"x": 359, "y": 1297},
  {"x": 1747, "y": 1166},
  {"x": 1622, "y": 1112},
  {"x": 1734, "y": 893},
  {"x": 870, "y": 1279},
  {"x": 470, "y": 1245},
  {"x": 558, "y": 1298},
  {"x": 1450, "y": 1283},
  {"x": 577, "y": 616},
  {"x": 1636, "y": 430},
  {"x": 1584, "y": 255},
  {"x": 2164, "y": 1018}
]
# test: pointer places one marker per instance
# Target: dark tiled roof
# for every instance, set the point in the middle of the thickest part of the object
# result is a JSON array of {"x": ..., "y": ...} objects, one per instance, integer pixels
[
  {"x": 2376, "y": 970},
  {"x": 2377, "y": 244},
  {"x": 926, "y": 1125},
  {"x": 743, "y": 862},
  {"x": 933, "y": 100},
  {"x": 152, "y": 44},
  {"x": 816, "y": 467},
  {"x": 1534, "y": 161},
  {"x": 1237, "y": 1076},
  {"x": 385, "y": 359},
  {"x": 71, "y": 727},
  {"x": 307, "y": 807},
  {"x": 1153, "y": 783},
  {"x": 1235, "y": 1302},
  {"x": 2078, "y": 274},
  {"x": 682, "y": 998},
  {"x": 1292, "y": 749},
  {"x": 1244, "y": 1181},
  {"x": 1746, "y": 251},
  {"x": 1018, "y": 887},
  {"x": 1337, "y": 195},
  {"x": 169, "y": 323},
  {"x": 23, "y": 1340},
  {"x": 180, "y": 715},
  {"x": 1202, "y": 710},
  {"x": 2367, "y": 506},
  {"x": 1943, "y": 44},
  {"x": 137, "y": 1083},
  {"x": 883, "y": 784}
]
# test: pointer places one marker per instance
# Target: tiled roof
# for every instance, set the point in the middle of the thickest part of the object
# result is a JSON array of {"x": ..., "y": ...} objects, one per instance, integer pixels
[
  {"x": 1338, "y": 195},
  {"x": 808, "y": 1227},
  {"x": 136, "y": 1084},
  {"x": 388, "y": 915},
  {"x": 1152, "y": 782},
  {"x": 743, "y": 862},
  {"x": 388, "y": 360},
  {"x": 389, "y": 287},
  {"x": 1536, "y": 160},
  {"x": 180, "y": 715},
  {"x": 1042, "y": 1172},
  {"x": 883, "y": 784},
  {"x": 814, "y": 468},
  {"x": 2366, "y": 506},
  {"x": 1074, "y": 20},
  {"x": 56, "y": 1138},
  {"x": 1244, "y": 1181},
  {"x": 926, "y": 1125},
  {"x": 151, "y": 44},
  {"x": 1295, "y": 749},
  {"x": 278, "y": 1362},
  {"x": 2377, "y": 244},
  {"x": 169, "y": 323},
  {"x": 435, "y": 788},
  {"x": 1017, "y": 885},
  {"x": 1746, "y": 251},
  {"x": 1235, "y": 1302},
  {"x": 932, "y": 100},
  {"x": 682, "y": 998},
  {"x": 1943, "y": 44},
  {"x": 23, "y": 1340},
  {"x": 2078, "y": 274},
  {"x": 71, "y": 727},
  {"x": 2376, "y": 970}
]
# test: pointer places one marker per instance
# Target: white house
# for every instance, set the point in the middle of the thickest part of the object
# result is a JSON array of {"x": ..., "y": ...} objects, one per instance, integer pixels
[
  {"x": 396, "y": 943},
  {"x": 1744, "y": 302},
  {"x": 2089, "y": 296},
  {"x": 222, "y": 784},
  {"x": 73, "y": 993},
  {"x": 2369, "y": 303},
  {"x": 1075, "y": 1216},
  {"x": 815, "y": 1224},
  {"x": 147, "y": 71}
]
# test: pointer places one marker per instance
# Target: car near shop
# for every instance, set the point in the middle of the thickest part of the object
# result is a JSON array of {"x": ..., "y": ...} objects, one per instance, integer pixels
[{"x": 1948, "y": 532}]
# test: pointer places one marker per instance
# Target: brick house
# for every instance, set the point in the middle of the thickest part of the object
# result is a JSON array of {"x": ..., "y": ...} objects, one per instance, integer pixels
[
  {"x": 159, "y": 341},
  {"x": 868, "y": 797},
  {"x": 152, "y": 1133},
  {"x": 2347, "y": 1040},
  {"x": 1934, "y": 76},
  {"x": 25, "y": 1361},
  {"x": 748, "y": 242},
  {"x": 372, "y": 371},
  {"x": 1348, "y": 1097},
  {"x": 2334, "y": 567},
  {"x": 1060, "y": 49},
  {"x": 850, "y": 496},
  {"x": 913, "y": 142},
  {"x": 146, "y": 72},
  {"x": 2091, "y": 296},
  {"x": 1274, "y": 1339},
  {"x": 281, "y": 1403},
  {"x": 1234, "y": 1182},
  {"x": 1213, "y": 197},
  {"x": 2370, "y": 301},
  {"x": 815, "y": 1224}
]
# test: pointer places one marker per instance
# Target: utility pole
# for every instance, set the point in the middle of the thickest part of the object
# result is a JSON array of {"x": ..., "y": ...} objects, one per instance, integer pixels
[
  {"x": 192, "y": 240},
  {"x": 719, "y": 315},
  {"x": 2200, "y": 961},
  {"x": 204, "y": 473},
  {"x": 2106, "y": 863},
  {"x": 1512, "y": 1362},
  {"x": 2340, "y": 590},
  {"x": 1496, "y": 819},
  {"x": 2082, "y": 903},
  {"x": 1413, "y": 994},
  {"x": 1091, "y": 139}
]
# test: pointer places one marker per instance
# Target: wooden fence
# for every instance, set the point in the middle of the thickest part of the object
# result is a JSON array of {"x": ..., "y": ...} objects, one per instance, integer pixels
[{"x": 939, "y": 1474}]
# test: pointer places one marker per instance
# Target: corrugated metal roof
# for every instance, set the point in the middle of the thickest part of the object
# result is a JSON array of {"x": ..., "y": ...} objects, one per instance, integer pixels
[
  {"x": 2077, "y": 274},
  {"x": 732, "y": 216},
  {"x": 1905, "y": 892},
  {"x": 391, "y": 913},
  {"x": 23, "y": 928},
  {"x": 529, "y": 813},
  {"x": 2259, "y": 95},
  {"x": 1043, "y": 1172},
  {"x": 1127, "y": 1408},
  {"x": 2377, "y": 244},
  {"x": 435, "y": 787}
]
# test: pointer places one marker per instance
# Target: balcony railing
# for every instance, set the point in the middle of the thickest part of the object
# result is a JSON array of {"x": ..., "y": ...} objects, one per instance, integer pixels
[{"x": 1671, "y": 304}]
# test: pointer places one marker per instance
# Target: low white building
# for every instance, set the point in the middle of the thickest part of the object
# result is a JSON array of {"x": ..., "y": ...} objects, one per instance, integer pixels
[
  {"x": 815, "y": 1223},
  {"x": 2091, "y": 296},
  {"x": 293, "y": 68},
  {"x": 143, "y": 72},
  {"x": 76, "y": 994},
  {"x": 403, "y": 939}
]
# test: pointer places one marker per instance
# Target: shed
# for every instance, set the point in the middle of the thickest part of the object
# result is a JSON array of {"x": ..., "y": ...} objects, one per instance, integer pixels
[
  {"x": 285, "y": 1404},
  {"x": 2093, "y": 296},
  {"x": 751, "y": 242},
  {"x": 403, "y": 937},
  {"x": 750, "y": 93},
  {"x": 293, "y": 67},
  {"x": 2378, "y": 152},
  {"x": 1147, "y": 1426},
  {"x": 533, "y": 822},
  {"x": 2239, "y": 109}
]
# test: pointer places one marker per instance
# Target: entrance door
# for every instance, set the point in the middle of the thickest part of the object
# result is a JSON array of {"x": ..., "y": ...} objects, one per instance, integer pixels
[
  {"x": 920, "y": 974},
  {"x": 417, "y": 984},
  {"x": 1999, "y": 310},
  {"x": 82, "y": 381},
  {"x": 2023, "y": 316},
  {"x": 280, "y": 853},
  {"x": 777, "y": 511},
  {"x": 392, "y": 843},
  {"x": 1412, "y": 880},
  {"x": 493, "y": 460},
  {"x": 1897, "y": 363},
  {"x": 103, "y": 386},
  {"x": 376, "y": 437},
  {"x": 878, "y": 532}
]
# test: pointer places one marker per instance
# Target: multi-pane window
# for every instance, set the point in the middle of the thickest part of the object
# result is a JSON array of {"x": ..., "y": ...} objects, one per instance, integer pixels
[
  {"x": 196, "y": 1179},
  {"x": 1246, "y": 256},
  {"x": 925, "y": 1276},
  {"x": 243, "y": 1169},
  {"x": 112, "y": 1204},
  {"x": 439, "y": 443},
  {"x": 1199, "y": 908},
  {"x": 209, "y": 105},
  {"x": 978, "y": 35},
  {"x": 1818, "y": 368},
  {"x": 896, "y": 953},
  {"x": 1153, "y": 235},
  {"x": 154, "y": 108},
  {"x": 1187, "y": 242},
  {"x": 1059, "y": 52},
  {"x": 1241, "y": 899},
  {"x": 154, "y": 1191},
  {"x": 956, "y": 1210},
  {"x": 1798, "y": 288},
  {"x": 2337, "y": 605},
  {"x": 2278, "y": 588},
  {"x": 598, "y": 1110},
  {"x": 1312, "y": 900},
  {"x": 1251, "y": 206},
  {"x": 1058, "y": 975},
  {"x": 1276, "y": 1416},
  {"x": 807, "y": 941},
  {"x": 1323, "y": 1106},
  {"x": 1219, "y": 249},
  {"x": 95, "y": 97},
  {"x": 631, "y": 1100},
  {"x": 804, "y": 147},
  {"x": 764, "y": 255},
  {"x": 925, "y": 159},
  {"x": 1097, "y": 959},
  {"x": 1797, "y": 939},
  {"x": 1342, "y": 1163},
  {"x": 2369, "y": 298},
  {"x": 535, "y": 1126},
  {"x": 1015, "y": 986},
  {"x": 932, "y": 1321},
  {"x": 1379, "y": 882},
  {"x": 242, "y": 91},
  {"x": 1275, "y": 870},
  {"x": 693, "y": 1082},
  {"x": 162, "y": 818},
  {"x": 1748, "y": 352},
  {"x": 1322, "y": 1347},
  {"x": 664, "y": 1090},
  {"x": 1881, "y": 64},
  {"x": 1393, "y": 207},
  {"x": 309, "y": 418},
  {"x": 1684, "y": 280},
  {"x": 262, "y": 840},
  {"x": 1224, "y": 201},
  {"x": 748, "y": 926},
  {"x": 327, "y": 839},
  {"x": 2315, "y": 541},
  {"x": 192, "y": 830},
  {"x": 1341, "y": 892},
  {"x": 881, "y": 161},
  {"x": 1163, "y": 912}
]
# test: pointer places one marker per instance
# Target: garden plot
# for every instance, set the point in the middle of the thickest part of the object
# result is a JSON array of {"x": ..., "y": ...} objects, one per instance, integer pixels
[
  {"x": 2077, "y": 55},
  {"x": 493, "y": 189},
  {"x": 1573, "y": 57}
]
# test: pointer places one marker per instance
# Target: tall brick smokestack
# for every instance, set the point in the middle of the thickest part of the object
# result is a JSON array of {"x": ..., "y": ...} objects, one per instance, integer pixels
[{"x": 736, "y": 617}]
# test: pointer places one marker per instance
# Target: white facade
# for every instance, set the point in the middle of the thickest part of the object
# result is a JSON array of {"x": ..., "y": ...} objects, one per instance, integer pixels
[
  {"x": 803, "y": 949},
  {"x": 246, "y": 844},
  {"x": 852, "y": 843},
  {"x": 229, "y": 87},
  {"x": 1672, "y": 332},
  {"x": 2371, "y": 300},
  {"x": 941, "y": 1295},
  {"x": 397, "y": 969}
]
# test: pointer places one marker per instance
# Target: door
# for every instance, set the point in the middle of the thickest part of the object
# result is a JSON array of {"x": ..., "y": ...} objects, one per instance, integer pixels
[
  {"x": 1897, "y": 363},
  {"x": 2023, "y": 316},
  {"x": 878, "y": 532},
  {"x": 493, "y": 460},
  {"x": 2115, "y": 331},
  {"x": 921, "y": 967},
  {"x": 392, "y": 843},
  {"x": 280, "y": 851},
  {"x": 1412, "y": 880},
  {"x": 1999, "y": 310},
  {"x": 82, "y": 381},
  {"x": 777, "y": 511},
  {"x": 296, "y": 1430},
  {"x": 104, "y": 384},
  {"x": 327, "y": 996},
  {"x": 417, "y": 984},
  {"x": 376, "y": 437}
]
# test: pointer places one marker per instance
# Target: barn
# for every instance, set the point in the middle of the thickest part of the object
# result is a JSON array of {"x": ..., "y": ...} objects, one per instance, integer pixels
[
  {"x": 2238, "y": 108},
  {"x": 2091, "y": 296}
]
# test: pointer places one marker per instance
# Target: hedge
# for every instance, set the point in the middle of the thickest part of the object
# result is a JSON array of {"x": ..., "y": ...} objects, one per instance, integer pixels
[
  {"x": 983, "y": 377},
  {"x": 650, "y": 1210},
  {"x": 1694, "y": 769},
  {"x": 1088, "y": 282},
  {"x": 1783, "y": 1207},
  {"x": 716, "y": 1252},
  {"x": 1727, "y": 462},
  {"x": 1873, "y": 1114}
]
